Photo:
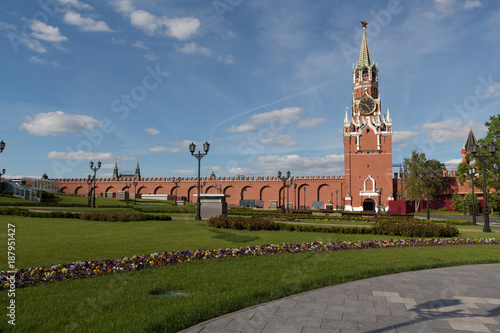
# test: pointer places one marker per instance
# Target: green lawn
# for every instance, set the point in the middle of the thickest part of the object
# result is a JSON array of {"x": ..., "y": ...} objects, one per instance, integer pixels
[
  {"x": 216, "y": 286},
  {"x": 123, "y": 302},
  {"x": 52, "y": 241}
]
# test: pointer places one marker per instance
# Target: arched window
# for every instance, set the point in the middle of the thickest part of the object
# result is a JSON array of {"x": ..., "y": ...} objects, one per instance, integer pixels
[{"x": 365, "y": 73}]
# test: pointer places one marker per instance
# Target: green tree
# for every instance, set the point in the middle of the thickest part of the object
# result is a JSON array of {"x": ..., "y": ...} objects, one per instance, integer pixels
[
  {"x": 462, "y": 203},
  {"x": 415, "y": 187},
  {"x": 491, "y": 167}
]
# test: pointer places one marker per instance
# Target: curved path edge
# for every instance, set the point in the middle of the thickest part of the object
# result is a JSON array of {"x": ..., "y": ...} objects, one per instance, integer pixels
[{"x": 450, "y": 299}]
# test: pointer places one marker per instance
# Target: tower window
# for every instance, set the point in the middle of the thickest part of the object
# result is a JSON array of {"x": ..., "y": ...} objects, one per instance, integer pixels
[
  {"x": 365, "y": 73},
  {"x": 368, "y": 166},
  {"x": 368, "y": 130}
]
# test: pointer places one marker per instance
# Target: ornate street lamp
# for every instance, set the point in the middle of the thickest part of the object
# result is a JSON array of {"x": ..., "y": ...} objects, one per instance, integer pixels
[
  {"x": 427, "y": 179},
  {"x": 2, "y": 146},
  {"x": 199, "y": 156},
  {"x": 95, "y": 179},
  {"x": 89, "y": 193},
  {"x": 176, "y": 181},
  {"x": 305, "y": 206},
  {"x": 135, "y": 191},
  {"x": 127, "y": 186},
  {"x": 398, "y": 195},
  {"x": 295, "y": 194},
  {"x": 492, "y": 148},
  {"x": 285, "y": 185},
  {"x": 472, "y": 173}
]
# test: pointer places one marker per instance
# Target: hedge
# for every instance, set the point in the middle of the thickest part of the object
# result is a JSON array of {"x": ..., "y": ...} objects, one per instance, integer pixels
[
  {"x": 90, "y": 216},
  {"x": 405, "y": 228}
]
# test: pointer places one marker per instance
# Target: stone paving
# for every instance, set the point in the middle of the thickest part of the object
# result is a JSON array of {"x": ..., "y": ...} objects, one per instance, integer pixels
[{"x": 453, "y": 299}]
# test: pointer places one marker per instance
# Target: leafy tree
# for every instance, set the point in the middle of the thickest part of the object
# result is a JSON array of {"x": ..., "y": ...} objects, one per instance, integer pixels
[
  {"x": 491, "y": 166},
  {"x": 462, "y": 203},
  {"x": 415, "y": 187}
]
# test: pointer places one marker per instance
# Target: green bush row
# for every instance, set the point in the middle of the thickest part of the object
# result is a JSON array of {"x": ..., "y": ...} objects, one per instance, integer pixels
[
  {"x": 412, "y": 229},
  {"x": 404, "y": 228},
  {"x": 297, "y": 217},
  {"x": 90, "y": 216},
  {"x": 121, "y": 217}
]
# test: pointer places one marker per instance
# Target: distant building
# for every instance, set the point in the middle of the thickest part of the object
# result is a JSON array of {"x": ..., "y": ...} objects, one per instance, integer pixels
[{"x": 136, "y": 175}]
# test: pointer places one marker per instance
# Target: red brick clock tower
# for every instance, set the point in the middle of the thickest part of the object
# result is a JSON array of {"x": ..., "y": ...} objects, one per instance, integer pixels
[{"x": 367, "y": 140}]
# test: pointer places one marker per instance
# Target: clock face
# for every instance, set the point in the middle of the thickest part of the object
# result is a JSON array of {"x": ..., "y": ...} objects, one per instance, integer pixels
[{"x": 367, "y": 105}]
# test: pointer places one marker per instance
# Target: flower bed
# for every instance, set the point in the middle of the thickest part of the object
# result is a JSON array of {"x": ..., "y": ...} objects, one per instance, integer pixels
[{"x": 84, "y": 269}]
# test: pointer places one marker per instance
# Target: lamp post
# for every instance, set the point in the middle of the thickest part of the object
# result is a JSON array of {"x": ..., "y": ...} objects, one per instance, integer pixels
[
  {"x": 135, "y": 191},
  {"x": 2, "y": 146},
  {"x": 305, "y": 206},
  {"x": 284, "y": 179},
  {"x": 472, "y": 173},
  {"x": 398, "y": 194},
  {"x": 176, "y": 181},
  {"x": 199, "y": 156},
  {"x": 492, "y": 148},
  {"x": 219, "y": 189},
  {"x": 1, "y": 174},
  {"x": 95, "y": 171},
  {"x": 89, "y": 193},
  {"x": 342, "y": 197},
  {"x": 337, "y": 199},
  {"x": 127, "y": 186},
  {"x": 295, "y": 194},
  {"x": 427, "y": 179}
]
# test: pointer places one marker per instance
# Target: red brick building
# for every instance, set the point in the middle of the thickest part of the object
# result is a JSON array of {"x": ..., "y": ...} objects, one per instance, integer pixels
[{"x": 367, "y": 184}]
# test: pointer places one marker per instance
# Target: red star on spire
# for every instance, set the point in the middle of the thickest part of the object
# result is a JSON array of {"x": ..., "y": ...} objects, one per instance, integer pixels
[{"x": 364, "y": 23}]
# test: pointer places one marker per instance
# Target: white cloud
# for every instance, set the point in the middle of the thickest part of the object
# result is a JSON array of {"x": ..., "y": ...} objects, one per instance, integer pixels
[
  {"x": 159, "y": 149},
  {"x": 327, "y": 165},
  {"x": 449, "y": 130},
  {"x": 140, "y": 45},
  {"x": 39, "y": 61},
  {"x": 233, "y": 171},
  {"x": 118, "y": 41},
  {"x": 310, "y": 122},
  {"x": 191, "y": 48},
  {"x": 454, "y": 161},
  {"x": 186, "y": 143},
  {"x": 445, "y": 6},
  {"x": 55, "y": 123},
  {"x": 183, "y": 172},
  {"x": 151, "y": 56},
  {"x": 491, "y": 91},
  {"x": 469, "y": 4},
  {"x": 75, "y": 3},
  {"x": 180, "y": 28},
  {"x": 277, "y": 117},
  {"x": 46, "y": 32},
  {"x": 274, "y": 118},
  {"x": 240, "y": 129},
  {"x": 402, "y": 136},
  {"x": 123, "y": 6},
  {"x": 228, "y": 59},
  {"x": 152, "y": 131},
  {"x": 276, "y": 139},
  {"x": 86, "y": 23},
  {"x": 81, "y": 155}
]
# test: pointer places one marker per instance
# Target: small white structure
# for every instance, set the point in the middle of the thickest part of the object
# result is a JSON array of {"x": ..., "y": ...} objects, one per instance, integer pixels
[{"x": 212, "y": 204}]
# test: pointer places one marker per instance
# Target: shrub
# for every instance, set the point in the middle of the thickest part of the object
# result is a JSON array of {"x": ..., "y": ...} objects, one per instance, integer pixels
[
  {"x": 121, "y": 217},
  {"x": 412, "y": 229}
]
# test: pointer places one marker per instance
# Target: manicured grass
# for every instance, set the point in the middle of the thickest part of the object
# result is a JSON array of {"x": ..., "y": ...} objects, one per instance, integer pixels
[
  {"x": 122, "y": 302},
  {"x": 46, "y": 241}
]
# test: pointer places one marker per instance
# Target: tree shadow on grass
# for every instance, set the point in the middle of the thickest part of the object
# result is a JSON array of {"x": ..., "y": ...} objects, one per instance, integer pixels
[{"x": 230, "y": 237}]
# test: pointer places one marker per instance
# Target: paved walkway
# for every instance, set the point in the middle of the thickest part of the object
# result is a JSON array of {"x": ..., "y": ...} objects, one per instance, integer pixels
[{"x": 453, "y": 299}]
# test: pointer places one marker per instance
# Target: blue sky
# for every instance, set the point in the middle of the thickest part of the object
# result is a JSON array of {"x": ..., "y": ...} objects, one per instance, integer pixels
[{"x": 266, "y": 83}]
